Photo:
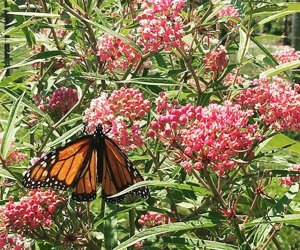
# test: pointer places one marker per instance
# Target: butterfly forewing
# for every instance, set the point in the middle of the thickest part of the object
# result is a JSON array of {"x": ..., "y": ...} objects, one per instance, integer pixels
[
  {"x": 62, "y": 167},
  {"x": 119, "y": 173}
]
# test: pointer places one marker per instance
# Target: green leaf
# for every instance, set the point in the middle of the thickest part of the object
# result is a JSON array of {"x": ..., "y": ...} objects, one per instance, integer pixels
[
  {"x": 280, "y": 68},
  {"x": 18, "y": 27},
  {"x": 105, "y": 29},
  {"x": 274, "y": 17},
  {"x": 278, "y": 141},
  {"x": 198, "y": 244},
  {"x": 279, "y": 7},
  {"x": 121, "y": 210},
  {"x": 40, "y": 57},
  {"x": 244, "y": 45},
  {"x": 264, "y": 50},
  {"x": 5, "y": 174},
  {"x": 140, "y": 157},
  {"x": 265, "y": 225},
  {"x": 288, "y": 219},
  {"x": 35, "y": 14},
  {"x": 268, "y": 173},
  {"x": 65, "y": 136},
  {"x": 19, "y": 41},
  {"x": 267, "y": 8},
  {"x": 27, "y": 103},
  {"x": 166, "y": 184},
  {"x": 77, "y": 6},
  {"x": 9, "y": 131},
  {"x": 160, "y": 61},
  {"x": 14, "y": 77},
  {"x": 151, "y": 81},
  {"x": 167, "y": 228},
  {"x": 110, "y": 230},
  {"x": 20, "y": 20}
]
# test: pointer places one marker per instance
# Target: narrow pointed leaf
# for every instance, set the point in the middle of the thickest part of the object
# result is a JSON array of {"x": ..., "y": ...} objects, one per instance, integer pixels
[
  {"x": 167, "y": 228},
  {"x": 9, "y": 132},
  {"x": 166, "y": 184}
]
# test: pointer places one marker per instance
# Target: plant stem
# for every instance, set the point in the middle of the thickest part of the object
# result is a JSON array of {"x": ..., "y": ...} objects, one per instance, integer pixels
[
  {"x": 188, "y": 63},
  {"x": 102, "y": 213},
  {"x": 276, "y": 243},
  {"x": 131, "y": 223},
  {"x": 200, "y": 179},
  {"x": 197, "y": 211},
  {"x": 271, "y": 237},
  {"x": 241, "y": 237},
  {"x": 251, "y": 209},
  {"x": 45, "y": 9},
  {"x": 213, "y": 188}
]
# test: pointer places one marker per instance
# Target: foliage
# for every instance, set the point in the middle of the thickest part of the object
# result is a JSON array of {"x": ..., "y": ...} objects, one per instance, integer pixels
[{"x": 211, "y": 126}]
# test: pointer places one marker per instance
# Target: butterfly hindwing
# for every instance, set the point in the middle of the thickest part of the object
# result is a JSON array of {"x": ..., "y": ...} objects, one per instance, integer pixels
[
  {"x": 62, "y": 167},
  {"x": 118, "y": 173},
  {"x": 86, "y": 188}
]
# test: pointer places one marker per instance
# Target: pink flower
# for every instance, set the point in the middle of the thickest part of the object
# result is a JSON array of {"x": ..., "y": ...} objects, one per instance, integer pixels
[
  {"x": 212, "y": 136},
  {"x": 117, "y": 54},
  {"x": 153, "y": 219},
  {"x": 276, "y": 101},
  {"x": 286, "y": 56},
  {"x": 15, "y": 156},
  {"x": 58, "y": 103},
  {"x": 31, "y": 212},
  {"x": 229, "y": 212},
  {"x": 288, "y": 181},
  {"x": 210, "y": 40},
  {"x": 139, "y": 244},
  {"x": 161, "y": 25},
  {"x": 229, "y": 12},
  {"x": 232, "y": 78},
  {"x": 15, "y": 242},
  {"x": 120, "y": 115},
  {"x": 216, "y": 60}
]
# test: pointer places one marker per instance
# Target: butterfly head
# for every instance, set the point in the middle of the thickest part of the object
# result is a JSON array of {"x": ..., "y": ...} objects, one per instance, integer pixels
[{"x": 99, "y": 130}]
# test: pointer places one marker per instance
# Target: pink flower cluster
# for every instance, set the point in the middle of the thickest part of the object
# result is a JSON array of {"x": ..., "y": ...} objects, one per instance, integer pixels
[
  {"x": 31, "y": 212},
  {"x": 229, "y": 12},
  {"x": 231, "y": 78},
  {"x": 153, "y": 219},
  {"x": 12, "y": 243},
  {"x": 212, "y": 136},
  {"x": 120, "y": 115},
  {"x": 288, "y": 181},
  {"x": 229, "y": 212},
  {"x": 14, "y": 156},
  {"x": 59, "y": 103},
  {"x": 276, "y": 101},
  {"x": 210, "y": 41},
  {"x": 286, "y": 56},
  {"x": 216, "y": 60},
  {"x": 161, "y": 25},
  {"x": 117, "y": 54},
  {"x": 139, "y": 244}
]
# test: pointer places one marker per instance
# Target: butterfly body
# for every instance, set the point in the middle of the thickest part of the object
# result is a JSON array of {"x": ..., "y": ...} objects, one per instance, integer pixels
[{"x": 81, "y": 163}]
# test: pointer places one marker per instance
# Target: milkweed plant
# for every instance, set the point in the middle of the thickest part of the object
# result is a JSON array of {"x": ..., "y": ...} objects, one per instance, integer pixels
[{"x": 191, "y": 91}]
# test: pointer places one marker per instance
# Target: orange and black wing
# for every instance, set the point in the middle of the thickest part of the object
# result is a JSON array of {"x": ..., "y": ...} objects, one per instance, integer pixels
[
  {"x": 86, "y": 188},
  {"x": 118, "y": 173},
  {"x": 62, "y": 167}
]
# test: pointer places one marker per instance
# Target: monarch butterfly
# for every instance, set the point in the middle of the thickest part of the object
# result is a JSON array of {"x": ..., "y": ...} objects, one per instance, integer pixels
[{"x": 81, "y": 163}]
